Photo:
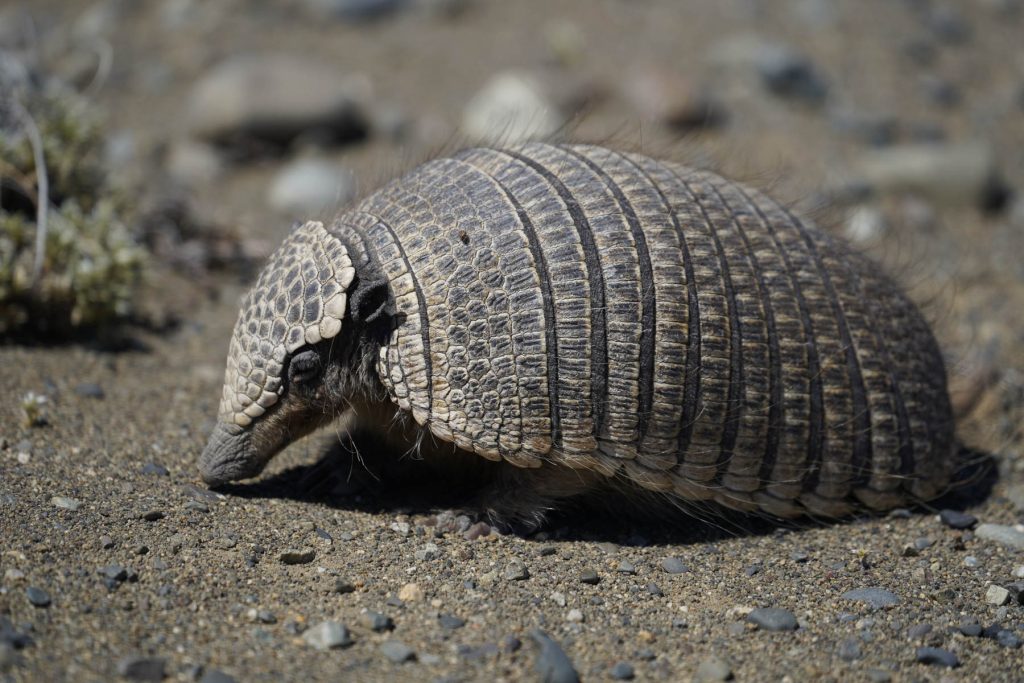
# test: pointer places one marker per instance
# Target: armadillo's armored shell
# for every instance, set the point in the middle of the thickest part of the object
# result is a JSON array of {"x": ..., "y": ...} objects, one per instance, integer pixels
[
  {"x": 298, "y": 299},
  {"x": 601, "y": 310}
]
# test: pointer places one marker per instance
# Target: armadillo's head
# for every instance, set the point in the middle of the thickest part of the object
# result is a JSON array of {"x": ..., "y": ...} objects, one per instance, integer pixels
[{"x": 282, "y": 361}]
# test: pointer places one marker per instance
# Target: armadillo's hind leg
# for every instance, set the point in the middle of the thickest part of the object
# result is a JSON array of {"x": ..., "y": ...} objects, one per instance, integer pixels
[{"x": 518, "y": 500}]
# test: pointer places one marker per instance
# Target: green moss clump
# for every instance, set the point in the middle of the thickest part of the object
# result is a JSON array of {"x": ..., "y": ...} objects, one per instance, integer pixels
[{"x": 92, "y": 266}]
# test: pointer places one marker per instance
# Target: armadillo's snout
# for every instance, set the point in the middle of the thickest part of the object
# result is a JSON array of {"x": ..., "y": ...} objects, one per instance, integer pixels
[{"x": 229, "y": 456}]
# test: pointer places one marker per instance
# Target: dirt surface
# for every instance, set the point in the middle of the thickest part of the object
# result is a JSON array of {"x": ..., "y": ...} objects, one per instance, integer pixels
[{"x": 204, "y": 588}]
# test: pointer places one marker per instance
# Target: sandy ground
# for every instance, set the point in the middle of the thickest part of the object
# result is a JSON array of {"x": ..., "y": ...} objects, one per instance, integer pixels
[{"x": 204, "y": 588}]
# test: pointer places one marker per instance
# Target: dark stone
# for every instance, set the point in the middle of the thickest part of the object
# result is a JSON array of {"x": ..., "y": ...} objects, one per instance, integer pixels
[
  {"x": 553, "y": 665},
  {"x": 918, "y": 631},
  {"x": 151, "y": 468},
  {"x": 215, "y": 676},
  {"x": 450, "y": 621},
  {"x": 153, "y": 515},
  {"x": 788, "y": 74},
  {"x": 1008, "y": 639},
  {"x": 142, "y": 668},
  {"x": 773, "y": 619},
  {"x": 511, "y": 644},
  {"x": 957, "y": 520},
  {"x": 114, "y": 572},
  {"x": 623, "y": 671},
  {"x": 655, "y": 590},
  {"x": 935, "y": 656},
  {"x": 590, "y": 577},
  {"x": 397, "y": 652},
  {"x": 90, "y": 390},
  {"x": 38, "y": 597},
  {"x": 378, "y": 622}
]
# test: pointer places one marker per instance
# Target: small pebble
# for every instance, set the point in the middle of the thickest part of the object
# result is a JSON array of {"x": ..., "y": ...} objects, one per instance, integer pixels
[
  {"x": 575, "y": 616},
  {"x": 873, "y": 597},
  {"x": 655, "y": 590},
  {"x": 997, "y": 595},
  {"x": 937, "y": 657},
  {"x": 773, "y": 619},
  {"x": 1008, "y": 639},
  {"x": 713, "y": 669},
  {"x": 215, "y": 676},
  {"x": 37, "y": 596},
  {"x": 297, "y": 556},
  {"x": 957, "y": 520},
  {"x": 398, "y": 652},
  {"x": 410, "y": 592},
  {"x": 153, "y": 469},
  {"x": 142, "y": 668},
  {"x": 378, "y": 622},
  {"x": 626, "y": 567},
  {"x": 90, "y": 390},
  {"x": 590, "y": 577},
  {"x": 327, "y": 635},
  {"x": 516, "y": 571},
  {"x": 511, "y": 644},
  {"x": 673, "y": 565},
  {"x": 918, "y": 631},
  {"x": 623, "y": 671},
  {"x": 553, "y": 665},
  {"x": 153, "y": 515},
  {"x": 450, "y": 621}
]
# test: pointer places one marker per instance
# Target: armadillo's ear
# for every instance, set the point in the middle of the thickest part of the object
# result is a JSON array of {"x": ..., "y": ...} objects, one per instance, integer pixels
[{"x": 299, "y": 299}]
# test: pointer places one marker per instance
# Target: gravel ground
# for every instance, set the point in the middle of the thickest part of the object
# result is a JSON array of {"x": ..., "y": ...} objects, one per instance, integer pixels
[{"x": 117, "y": 563}]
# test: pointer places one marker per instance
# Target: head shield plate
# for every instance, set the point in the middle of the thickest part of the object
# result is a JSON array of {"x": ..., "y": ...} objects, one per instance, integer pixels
[{"x": 299, "y": 299}]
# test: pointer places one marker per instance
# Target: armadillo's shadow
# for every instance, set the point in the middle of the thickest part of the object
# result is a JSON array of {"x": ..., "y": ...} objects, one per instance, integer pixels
[{"x": 416, "y": 487}]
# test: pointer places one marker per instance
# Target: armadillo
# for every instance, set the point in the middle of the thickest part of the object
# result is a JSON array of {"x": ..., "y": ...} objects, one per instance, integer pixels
[{"x": 583, "y": 315}]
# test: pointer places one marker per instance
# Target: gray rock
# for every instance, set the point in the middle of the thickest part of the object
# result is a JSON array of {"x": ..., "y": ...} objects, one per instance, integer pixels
[
  {"x": 773, "y": 619},
  {"x": 353, "y": 10},
  {"x": 713, "y": 669},
  {"x": 450, "y": 621},
  {"x": 142, "y": 668},
  {"x": 553, "y": 665},
  {"x": 957, "y": 520},
  {"x": 1002, "y": 534},
  {"x": 310, "y": 186},
  {"x": 874, "y": 597},
  {"x": 512, "y": 107},
  {"x": 153, "y": 469},
  {"x": 152, "y": 515},
  {"x": 516, "y": 571},
  {"x": 1008, "y": 639},
  {"x": 995, "y": 595},
  {"x": 378, "y": 622},
  {"x": 90, "y": 390},
  {"x": 397, "y": 651},
  {"x": 622, "y": 671},
  {"x": 1015, "y": 494},
  {"x": 951, "y": 174},
  {"x": 37, "y": 596},
  {"x": 327, "y": 635},
  {"x": 215, "y": 676},
  {"x": 937, "y": 657},
  {"x": 590, "y": 577},
  {"x": 781, "y": 69},
  {"x": 673, "y": 565},
  {"x": 275, "y": 98}
]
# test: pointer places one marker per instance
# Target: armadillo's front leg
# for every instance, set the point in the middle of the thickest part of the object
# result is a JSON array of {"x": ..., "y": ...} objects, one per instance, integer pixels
[{"x": 519, "y": 499}]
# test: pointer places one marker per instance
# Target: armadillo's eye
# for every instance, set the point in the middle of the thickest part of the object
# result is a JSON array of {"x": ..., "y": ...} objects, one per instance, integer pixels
[{"x": 305, "y": 366}]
